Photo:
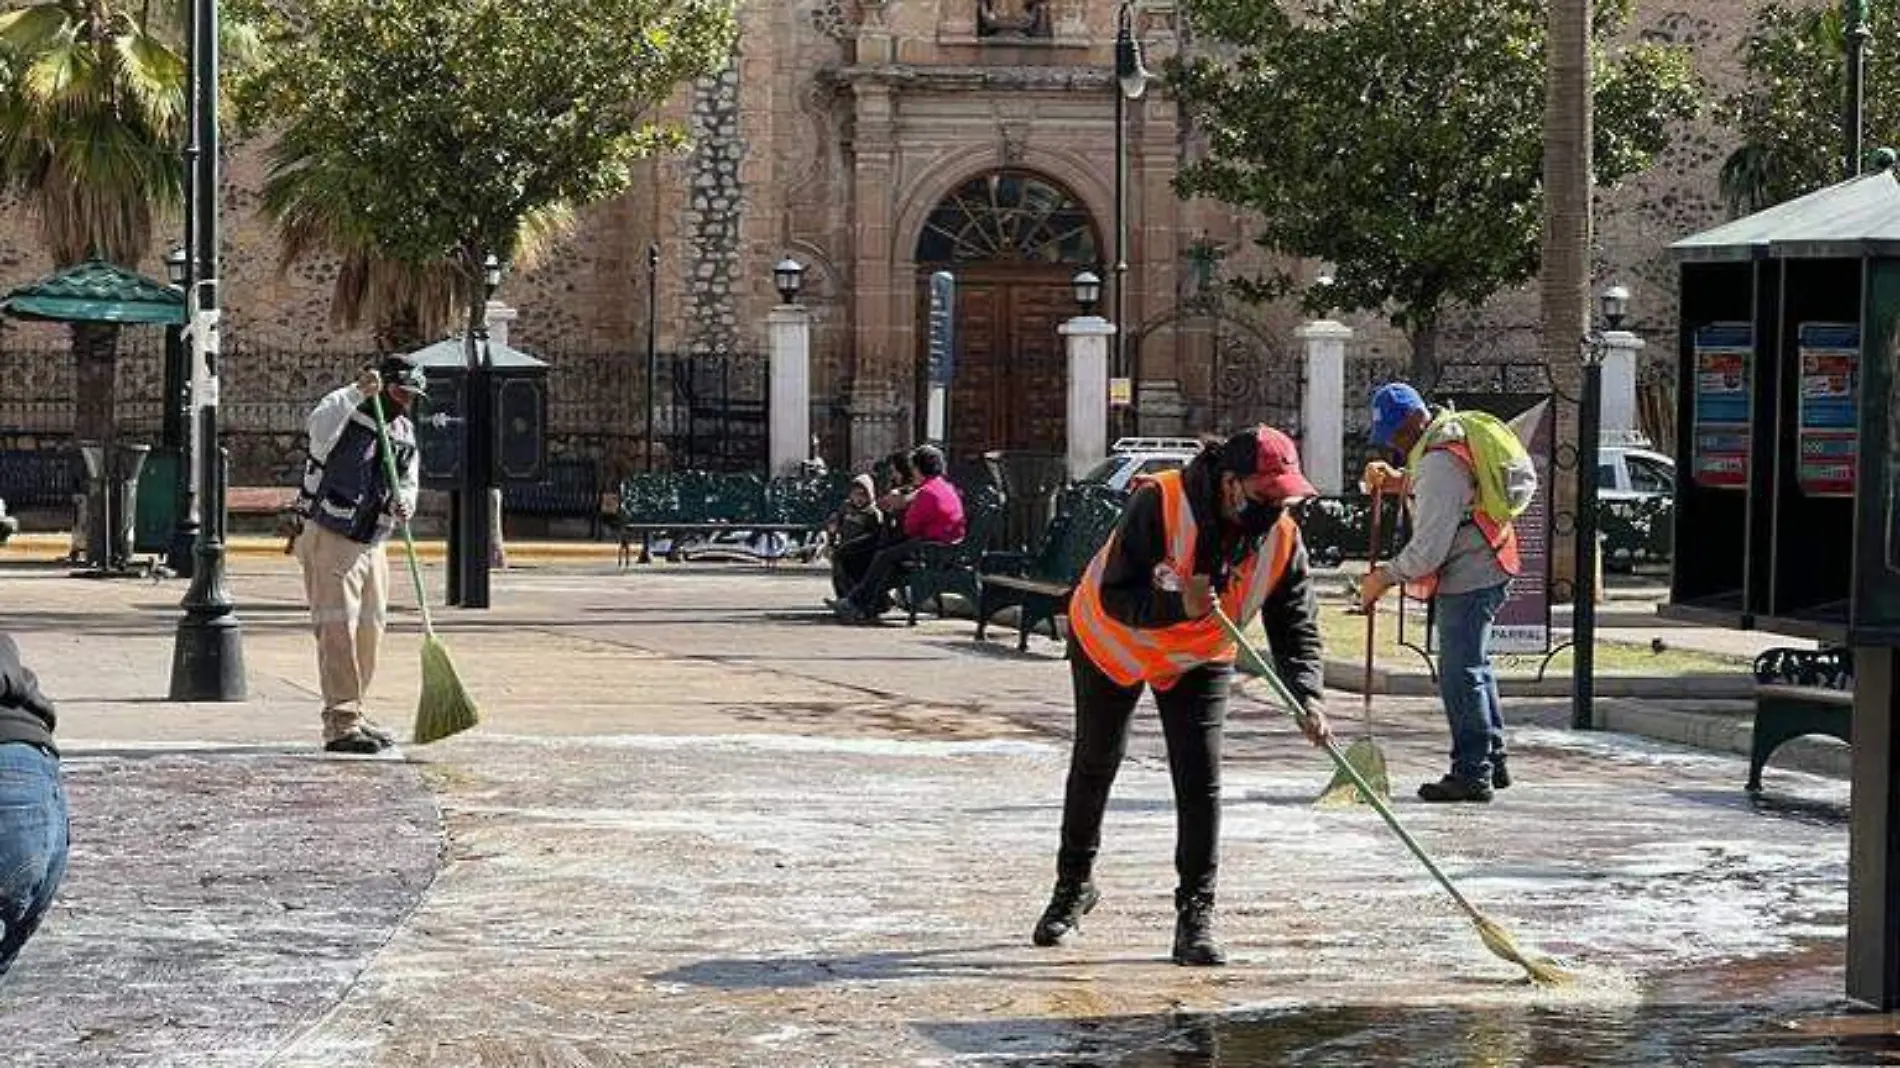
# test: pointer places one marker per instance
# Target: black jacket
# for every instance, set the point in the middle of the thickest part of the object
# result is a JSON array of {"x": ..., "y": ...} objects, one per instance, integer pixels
[
  {"x": 1290, "y": 613},
  {"x": 25, "y": 713}
]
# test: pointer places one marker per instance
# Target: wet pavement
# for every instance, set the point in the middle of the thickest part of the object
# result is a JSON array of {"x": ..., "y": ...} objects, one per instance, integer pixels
[{"x": 702, "y": 826}]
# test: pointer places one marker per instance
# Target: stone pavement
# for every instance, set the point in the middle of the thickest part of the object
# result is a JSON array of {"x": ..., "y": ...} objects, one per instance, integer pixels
[{"x": 702, "y": 825}]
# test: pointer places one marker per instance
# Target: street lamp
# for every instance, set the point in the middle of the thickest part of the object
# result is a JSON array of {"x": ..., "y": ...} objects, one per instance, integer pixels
[
  {"x": 472, "y": 540},
  {"x": 789, "y": 275},
  {"x": 653, "y": 341},
  {"x": 1613, "y": 306},
  {"x": 173, "y": 431},
  {"x": 1857, "y": 33},
  {"x": 1131, "y": 81},
  {"x": 208, "y": 650},
  {"x": 1088, "y": 290}
]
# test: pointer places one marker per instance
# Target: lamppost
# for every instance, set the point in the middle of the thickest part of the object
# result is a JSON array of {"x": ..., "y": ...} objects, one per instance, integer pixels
[
  {"x": 175, "y": 430},
  {"x": 1857, "y": 33},
  {"x": 1614, "y": 305},
  {"x": 653, "y": 342},
  {"x": 789, "y": 276},
  {"x": 1131, "y": 81},
  {"x": 1088, "y": 290},
  {"x": 477, "y": 543},
  {"x": 208, "y": 651}
]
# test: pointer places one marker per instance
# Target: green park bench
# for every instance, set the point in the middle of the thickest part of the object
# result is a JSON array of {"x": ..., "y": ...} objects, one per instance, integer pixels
[
  {"x": 1799, "y": 692},
  {"x": 935, "y": 570},
  {"x": 673, "y": 503},
  {"x": 571, "y": 490},
  {"x": 1038, "y": 584}
]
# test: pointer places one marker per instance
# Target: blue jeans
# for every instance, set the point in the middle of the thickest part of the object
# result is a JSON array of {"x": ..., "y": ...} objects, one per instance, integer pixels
[
  {"x": 32, "y": 843},
  {"x": 1466, "y": 682}
]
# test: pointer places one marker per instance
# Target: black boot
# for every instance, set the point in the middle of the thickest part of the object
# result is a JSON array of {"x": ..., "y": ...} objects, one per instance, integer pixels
[
  {"x": 1194, "y": 944},
  {"x": 1072, "y": 900},
  {"x": 1453, "y": 788},
  {"x": 1500, "y": 772}
]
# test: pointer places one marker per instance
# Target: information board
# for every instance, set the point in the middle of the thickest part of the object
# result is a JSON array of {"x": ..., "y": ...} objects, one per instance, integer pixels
[
  {"x": 1827, "y": 435},
  {"x": 1724, "y": 369},
  {"x": 943, "y": 311},
  {"x": 1523, "y": 620}
]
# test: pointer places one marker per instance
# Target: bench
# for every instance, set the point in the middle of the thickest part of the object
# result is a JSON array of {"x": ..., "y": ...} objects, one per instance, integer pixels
[
  {"x": 37, "y": 478},
  {"x": 571, "y": 491},
  {"x": 939, "y": 569},
  {"x": 1038, "y": 584},
  {"x": 1799, "y": 692},
  {"x": 672, "y": 503}
]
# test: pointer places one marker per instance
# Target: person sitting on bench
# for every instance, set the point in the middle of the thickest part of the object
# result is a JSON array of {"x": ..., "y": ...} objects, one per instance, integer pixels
[{"x": 933, "y": 512}]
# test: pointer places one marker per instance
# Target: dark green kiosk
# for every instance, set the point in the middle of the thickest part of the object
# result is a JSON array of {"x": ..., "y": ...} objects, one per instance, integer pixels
[{"x": 1788, "y": 494}]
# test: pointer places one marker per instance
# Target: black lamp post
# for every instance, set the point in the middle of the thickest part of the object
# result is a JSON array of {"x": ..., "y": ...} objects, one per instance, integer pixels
[
  {"x": 1088, "y": 290},
  {"x": 174, "y": 429},
  {"x": 474, "y": 543},
  {"x": 208, "y": 651},
  {"x": 1131, "y": 81},
  {"x": 789, "y": 276},
  {"x": 1614, "y": 305},
  {"x": 1857, "y": 33},
  {"x": 653, "y": 342}
]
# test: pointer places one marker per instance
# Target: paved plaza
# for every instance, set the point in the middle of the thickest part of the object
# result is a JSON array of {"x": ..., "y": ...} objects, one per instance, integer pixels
[{"x": 703, "y": 825}]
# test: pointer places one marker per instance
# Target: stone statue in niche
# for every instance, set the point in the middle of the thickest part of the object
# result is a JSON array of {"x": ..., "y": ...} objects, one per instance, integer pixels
[{"x": 1014, "y": 18}]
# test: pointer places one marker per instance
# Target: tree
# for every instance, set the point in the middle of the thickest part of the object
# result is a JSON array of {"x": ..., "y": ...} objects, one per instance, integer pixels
[
  {"x": 1401, "y": 142},
  {"x": 418, "y": 137},
  {"x": 92, "y": 115},
  {"x": 1789, "y": 112}
]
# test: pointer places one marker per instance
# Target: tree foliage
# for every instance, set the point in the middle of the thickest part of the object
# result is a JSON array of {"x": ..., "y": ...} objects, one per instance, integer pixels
[
  {"x": 1789, "y": 113},
  {"x": 1401, "y": 142},
  {"x": 423, "y": 136}
]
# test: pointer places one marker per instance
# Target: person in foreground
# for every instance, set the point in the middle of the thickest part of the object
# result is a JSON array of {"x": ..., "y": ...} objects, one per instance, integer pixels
[
  {"x": 349, "y": 511},
  {"x": 1467, "y": 476},
  {"x": 33, "y": 829},
  {"x": 1219, "y": 531}
]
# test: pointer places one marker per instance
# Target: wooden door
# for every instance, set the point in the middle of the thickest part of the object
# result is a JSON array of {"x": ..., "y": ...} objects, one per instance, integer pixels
[{"x": 1010, "y": 386}]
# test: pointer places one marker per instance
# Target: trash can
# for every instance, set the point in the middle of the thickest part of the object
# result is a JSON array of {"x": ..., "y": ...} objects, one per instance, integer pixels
[
  {"x": 111, "y": 501},
  {"x": 127, "y": 462},
  {"x": 90, "y": 523}
]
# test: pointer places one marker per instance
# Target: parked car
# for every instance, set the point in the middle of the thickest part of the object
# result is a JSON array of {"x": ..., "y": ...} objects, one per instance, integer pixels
[
  {"x": 1131, "y": 458},
  {"x": 1629, "y": 473}
]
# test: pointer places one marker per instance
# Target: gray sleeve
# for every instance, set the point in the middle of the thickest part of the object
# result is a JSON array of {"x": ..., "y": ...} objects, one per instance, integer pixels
[{"x": 1441, "y": 498}]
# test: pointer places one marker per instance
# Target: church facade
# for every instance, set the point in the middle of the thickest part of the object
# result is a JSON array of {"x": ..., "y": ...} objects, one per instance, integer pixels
[{"x": 878, "y": 142}]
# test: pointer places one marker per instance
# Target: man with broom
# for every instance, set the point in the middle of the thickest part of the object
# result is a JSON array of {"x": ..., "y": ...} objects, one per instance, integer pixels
[
  {"x": 350, "y": 509},
  {"x": 1218, "y": 532},
  {"x": 1468, "y": 475}
]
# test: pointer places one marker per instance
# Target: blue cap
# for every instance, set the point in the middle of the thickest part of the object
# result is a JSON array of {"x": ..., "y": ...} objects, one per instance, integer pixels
[{"x": 1392, "y": 404}]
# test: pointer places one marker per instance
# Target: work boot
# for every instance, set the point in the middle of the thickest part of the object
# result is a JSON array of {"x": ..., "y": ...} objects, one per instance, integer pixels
[
  {"x": 383, "y": 735},
  {"x": 1500, "y": 772},
  {"x": 1454, "y": 788},
  {"x": 1194, "y": 944},
  {"x": 357, "y": 742},
  {"x": 1072, "y": 900}
]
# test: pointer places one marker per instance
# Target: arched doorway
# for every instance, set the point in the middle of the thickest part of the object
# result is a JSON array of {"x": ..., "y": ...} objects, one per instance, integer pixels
[{"x": 1014, "y": 239}]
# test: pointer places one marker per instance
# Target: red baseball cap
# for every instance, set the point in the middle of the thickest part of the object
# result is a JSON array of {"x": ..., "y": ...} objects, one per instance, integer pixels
[{"x": 1270, "y": 463}]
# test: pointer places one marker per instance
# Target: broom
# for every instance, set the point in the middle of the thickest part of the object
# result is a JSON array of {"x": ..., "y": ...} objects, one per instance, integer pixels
[
  {"x": 445, "y": 707},
  {"x": 1542, "y": 970},
  {"x": 1364, "y": 755}
]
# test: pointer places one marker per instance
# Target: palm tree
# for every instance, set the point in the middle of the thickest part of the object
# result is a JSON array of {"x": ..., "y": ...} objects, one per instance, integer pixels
[
  {"x": 92, "y": 116},
  {"x": 1568, "y": 173},
  {"x": 309, "y": 194}
]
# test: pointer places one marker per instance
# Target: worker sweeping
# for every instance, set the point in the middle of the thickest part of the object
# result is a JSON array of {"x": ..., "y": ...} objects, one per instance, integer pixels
[
  {"x": 350, "y": 508},
  {"x": 1143, "y": 617},
  {"x": 1468, "y": 476}
]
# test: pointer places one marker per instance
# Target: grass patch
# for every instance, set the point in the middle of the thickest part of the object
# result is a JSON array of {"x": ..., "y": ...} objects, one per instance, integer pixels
[{"x": 1345, "y": 636}]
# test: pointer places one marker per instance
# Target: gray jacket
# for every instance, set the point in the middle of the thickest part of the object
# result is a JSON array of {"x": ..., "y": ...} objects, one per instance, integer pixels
[{"x": 1444, "y": 539}]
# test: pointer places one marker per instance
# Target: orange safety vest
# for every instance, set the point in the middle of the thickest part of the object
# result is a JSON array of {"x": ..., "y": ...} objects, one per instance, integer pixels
[
  {"x": 1500, "y": 536},
  {"x": 1159, "y": 657}
]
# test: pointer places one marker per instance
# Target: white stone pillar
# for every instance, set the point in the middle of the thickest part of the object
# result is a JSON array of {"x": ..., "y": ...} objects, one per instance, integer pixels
[
  {"x": 499, "y": 315},
  {"x": 789, "y": 327},
  {"x": 1087, "y": 341},
  {"x": 1323, "y": 410},
  {"x": 1621, "y": 351}
]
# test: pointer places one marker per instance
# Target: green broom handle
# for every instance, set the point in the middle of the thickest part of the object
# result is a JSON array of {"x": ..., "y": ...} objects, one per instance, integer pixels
[
  {"x": 1366, "y": 791},
  {"x": 408, "y": 538}
]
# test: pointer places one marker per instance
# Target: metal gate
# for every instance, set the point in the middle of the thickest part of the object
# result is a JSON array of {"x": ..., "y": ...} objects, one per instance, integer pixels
[{"x": 1232, "y": 373}]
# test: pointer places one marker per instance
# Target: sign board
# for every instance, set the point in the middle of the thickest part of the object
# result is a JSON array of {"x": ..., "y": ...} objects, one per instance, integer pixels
[
  {"x": 1827, "y": 435},
  {"x": 1724, "y": 367},
  {"x": 1523, "y": 620},
  {"x": 1121, "y": 392},
  {"x": 942, "y": 326}
]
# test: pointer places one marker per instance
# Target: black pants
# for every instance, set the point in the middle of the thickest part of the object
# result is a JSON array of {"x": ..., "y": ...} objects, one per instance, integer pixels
[
  {"x": 879, "y": 574},
  {"x": 849, "y": 562},
  {"x": 1192, "y": 712}
]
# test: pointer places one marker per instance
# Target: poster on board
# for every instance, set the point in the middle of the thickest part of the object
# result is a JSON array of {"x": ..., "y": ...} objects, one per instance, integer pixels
[
  {"x": 1724, "y": 367},
  {"x": 1523, "y": 620},
  {"x": 1827, "y": 434}
]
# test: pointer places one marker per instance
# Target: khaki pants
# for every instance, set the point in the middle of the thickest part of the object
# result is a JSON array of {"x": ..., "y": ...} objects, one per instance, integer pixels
[{"x": 347, "y": 585}]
